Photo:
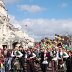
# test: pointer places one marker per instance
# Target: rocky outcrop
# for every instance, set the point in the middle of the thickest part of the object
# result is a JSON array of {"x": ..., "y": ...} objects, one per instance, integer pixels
[{"x": 9, "y": 34}]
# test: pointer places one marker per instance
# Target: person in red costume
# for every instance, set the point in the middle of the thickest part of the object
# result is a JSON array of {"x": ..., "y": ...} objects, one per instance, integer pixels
[{"x": 1, "y": 61}]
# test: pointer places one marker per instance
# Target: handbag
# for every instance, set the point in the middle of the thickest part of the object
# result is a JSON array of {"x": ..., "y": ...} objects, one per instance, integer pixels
[{"x": 45, "y": 62}]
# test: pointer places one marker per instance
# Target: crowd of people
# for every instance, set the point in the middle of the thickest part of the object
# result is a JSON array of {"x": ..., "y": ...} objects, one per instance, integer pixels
[{"x": 55, "y": 51}]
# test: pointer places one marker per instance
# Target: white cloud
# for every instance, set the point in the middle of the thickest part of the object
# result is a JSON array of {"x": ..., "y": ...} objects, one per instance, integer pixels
[
  {"x": 63, "y": 5},
  {"x": 31, "y": 8},
  {"x": 47, "y": 27},
  {"x": 14, "y": 22},
  {"x": 39, "y": 28}
]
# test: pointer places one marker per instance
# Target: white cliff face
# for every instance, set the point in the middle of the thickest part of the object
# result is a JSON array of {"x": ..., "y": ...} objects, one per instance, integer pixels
[
  {"x": 28, "y": 41},
  {"x": 8, "y": 33},
  {"x": 3, "y": 11}
]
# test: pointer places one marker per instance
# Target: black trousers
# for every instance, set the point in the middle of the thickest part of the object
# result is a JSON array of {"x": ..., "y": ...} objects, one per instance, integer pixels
[
  {"x": 44, "y": 67},
  {"x": 22, "y": 61},
  {"x": 69, "y": 71},
  {"x": 30, "y": 66}
]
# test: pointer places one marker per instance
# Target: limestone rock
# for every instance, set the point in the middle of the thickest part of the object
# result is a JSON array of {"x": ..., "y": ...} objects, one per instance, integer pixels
[{"x": 10, "y": 34}]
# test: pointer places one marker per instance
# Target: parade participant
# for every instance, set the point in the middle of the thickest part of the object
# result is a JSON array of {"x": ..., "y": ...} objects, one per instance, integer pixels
[
  {"x": 5, "y": 49},
  {"x": 16, "y": 54},
  {"x": 61, "y": 56},
  {"x": 37, "y": 52},
  {"x": 69, "y": 62},
  {"x": 54, "y": 59},
  {"x": 1, "y": 62},
  {"x": 22, "y": 59},
  {"x": 65, "y": 56},
  {"x": 43, "y": 61},
  {"x": 54, "y": 52},
  {"x": 30, "y": 60},
  {"x": 8, "y": 60}
]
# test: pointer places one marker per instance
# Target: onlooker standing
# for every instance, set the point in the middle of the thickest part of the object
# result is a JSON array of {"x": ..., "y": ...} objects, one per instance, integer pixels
[
  {"x": 1, "y": 62},
  {"x": 69, "y": 62}
]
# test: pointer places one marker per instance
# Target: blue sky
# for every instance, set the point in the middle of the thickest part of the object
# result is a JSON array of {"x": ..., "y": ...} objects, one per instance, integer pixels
[
  {"x": 43, "y": 17},
  {"x": 59, "y": 9}
]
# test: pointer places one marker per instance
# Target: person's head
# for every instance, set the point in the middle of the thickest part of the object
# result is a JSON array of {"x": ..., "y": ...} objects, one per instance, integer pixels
[
  {"x": 45, "y": 51},
  {"x": 60, "y": 49},
  {"x": 28, "y": 51},
  {"x": 31, "y": 49},
  {"x": 53, "y": 48},
  {"x": 41, "y": 50},
  {"x": 20, "y": 48},
  {"x": 35, "y": 49},
  {"x": 70, "y": 53},
  {"x": 64, "y": 50},
  {"x": 5, "y": 47},
  {"x": 17, "y": 46}
]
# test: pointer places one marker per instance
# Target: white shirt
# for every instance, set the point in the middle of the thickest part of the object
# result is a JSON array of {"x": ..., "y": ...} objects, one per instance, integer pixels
[
  {"x": 61, "y": 53},
  {"x": 13, "y": 54}
]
